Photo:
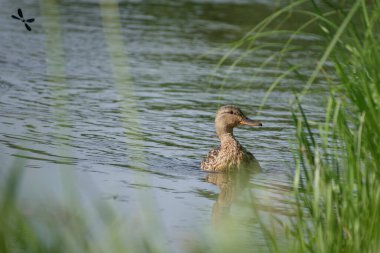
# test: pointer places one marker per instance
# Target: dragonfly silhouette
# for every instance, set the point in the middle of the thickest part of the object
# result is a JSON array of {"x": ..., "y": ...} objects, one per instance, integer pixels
[{"x": 25, "y": 21}]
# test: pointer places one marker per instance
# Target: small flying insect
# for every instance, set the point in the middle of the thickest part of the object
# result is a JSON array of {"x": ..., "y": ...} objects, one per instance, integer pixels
[{"x": 22, "y": 19}]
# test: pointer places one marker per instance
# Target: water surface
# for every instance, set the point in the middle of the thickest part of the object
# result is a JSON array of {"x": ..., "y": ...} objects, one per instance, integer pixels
[{"x": 172, "y": 50}]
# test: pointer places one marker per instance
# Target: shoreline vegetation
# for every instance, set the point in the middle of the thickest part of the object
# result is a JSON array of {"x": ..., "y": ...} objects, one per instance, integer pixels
[{"x": 336, "y": 179}]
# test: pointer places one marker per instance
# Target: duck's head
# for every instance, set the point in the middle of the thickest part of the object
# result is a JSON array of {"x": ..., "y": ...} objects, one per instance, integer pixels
[{"x": 230, "y": 116}]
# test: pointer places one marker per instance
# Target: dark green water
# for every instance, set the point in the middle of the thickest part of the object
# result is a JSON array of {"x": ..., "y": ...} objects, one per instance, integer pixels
[{"x": 176, "y": 93}]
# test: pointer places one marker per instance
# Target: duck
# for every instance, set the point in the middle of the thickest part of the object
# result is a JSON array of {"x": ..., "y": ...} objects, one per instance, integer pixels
[{"x": 230, "y": 154}]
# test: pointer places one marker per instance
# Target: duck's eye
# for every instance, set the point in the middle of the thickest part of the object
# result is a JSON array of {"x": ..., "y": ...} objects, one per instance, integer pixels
[{"x": 231, "y": 112}]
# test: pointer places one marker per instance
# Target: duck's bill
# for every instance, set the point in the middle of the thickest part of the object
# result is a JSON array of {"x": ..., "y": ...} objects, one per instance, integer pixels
[{"x": 250, "y": 122}]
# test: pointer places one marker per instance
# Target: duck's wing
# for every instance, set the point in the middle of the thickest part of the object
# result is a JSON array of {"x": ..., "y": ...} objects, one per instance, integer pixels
[
  {"x": 249, "y": 155},
  {"x": 251, "y": 161},
  {"x": 209, "y": 161}
]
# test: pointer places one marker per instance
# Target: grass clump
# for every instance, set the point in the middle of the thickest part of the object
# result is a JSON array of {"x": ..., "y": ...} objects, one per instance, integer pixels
[{"x": 337, "y": 180}]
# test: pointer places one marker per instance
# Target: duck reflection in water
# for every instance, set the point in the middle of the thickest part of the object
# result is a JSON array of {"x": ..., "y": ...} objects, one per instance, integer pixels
[{"x": 231, "y": 185}]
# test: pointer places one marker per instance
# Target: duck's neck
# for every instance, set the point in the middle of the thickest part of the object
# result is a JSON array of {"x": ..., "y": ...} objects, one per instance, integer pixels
[
  {"x": 226, "y": 135},
  {"x": 228, "y": 140}
]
